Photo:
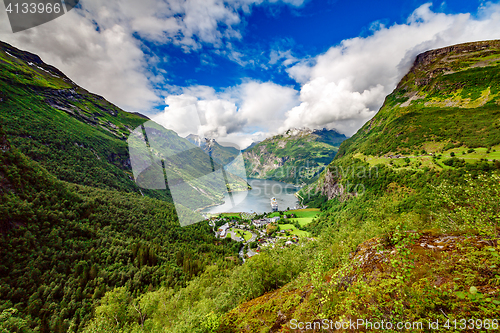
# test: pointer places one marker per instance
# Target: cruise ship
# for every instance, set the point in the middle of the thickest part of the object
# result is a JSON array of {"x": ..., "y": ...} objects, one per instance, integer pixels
[{"x": 274, "y": 204}]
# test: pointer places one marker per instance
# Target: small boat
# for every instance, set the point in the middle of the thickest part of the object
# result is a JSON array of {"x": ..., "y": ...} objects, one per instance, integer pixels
[{"x": 274, "y": 204}]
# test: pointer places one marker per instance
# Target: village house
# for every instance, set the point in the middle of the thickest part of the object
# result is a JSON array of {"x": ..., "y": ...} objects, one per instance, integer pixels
[
  {"x": 221, "y": 232},
  {"x": 260, "y": 223}
]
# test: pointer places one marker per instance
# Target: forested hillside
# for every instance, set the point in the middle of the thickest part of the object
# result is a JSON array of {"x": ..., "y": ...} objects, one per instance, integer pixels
[
  {"x": 74, "y": 224},
  {"x": 297, "y": 156},
  {"x": 404, "y": 235},
  {"x": 77, "y": 136},
  {"x": 410, "y": 224},
  {"x": 64, "y": 245}
]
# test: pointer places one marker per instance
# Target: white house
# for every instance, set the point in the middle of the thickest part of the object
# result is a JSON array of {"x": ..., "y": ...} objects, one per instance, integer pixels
[
  {"x": 222, "y": 230},
  {"x": 260, "y": 223}
]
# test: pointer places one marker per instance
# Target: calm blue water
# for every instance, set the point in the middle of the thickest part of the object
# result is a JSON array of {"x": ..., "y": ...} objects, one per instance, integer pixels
[{"x": 258, "y": 199}]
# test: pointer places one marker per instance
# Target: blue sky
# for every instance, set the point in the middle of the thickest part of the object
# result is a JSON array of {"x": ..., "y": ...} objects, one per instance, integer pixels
[
  {"x": 308, "y": 30},
  {"x": 248, "y": 69}
]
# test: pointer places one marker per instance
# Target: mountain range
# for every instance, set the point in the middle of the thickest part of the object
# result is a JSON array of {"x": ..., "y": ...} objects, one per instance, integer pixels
[
  {"x": 222, "y": 154},
  {"x": 74, "y": 222},
  {"x": 297, "y": 156},
  {"x": 408, "y": 230}
]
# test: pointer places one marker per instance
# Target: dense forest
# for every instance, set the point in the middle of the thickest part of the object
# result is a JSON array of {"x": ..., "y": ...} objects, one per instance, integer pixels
[
  {"x": 65, "y": 245},
  {"x": 74, "y": 223}
]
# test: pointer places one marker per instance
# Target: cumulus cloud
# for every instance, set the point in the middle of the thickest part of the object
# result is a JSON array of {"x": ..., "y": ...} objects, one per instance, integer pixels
[
  {"x": 264, "y": 104},
  {"x": 345, "y": 87},
  {"x": 96, "y": 44},
  {"x": 97, "y": 47},
  {"x": 239, "y": 114},
  {"x": 108, "y": 62}
]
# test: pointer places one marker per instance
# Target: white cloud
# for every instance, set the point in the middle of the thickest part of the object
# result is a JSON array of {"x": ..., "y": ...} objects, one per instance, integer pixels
[
  {"x": 265, "y": 104},
  {"x": 109, "y": 62},
  {"x": 96, "y": 45},
  {"x": 285, "y": 57},
  {"x": 239, "y": 114},
  {"x": 345, "y": 87},
  {"x": 342, "y": 88}
]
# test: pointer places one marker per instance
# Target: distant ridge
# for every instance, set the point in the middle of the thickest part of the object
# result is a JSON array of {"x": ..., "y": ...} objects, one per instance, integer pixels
[
  {"x": 140, "y": 115},
  {"x": 297, "y": 150},
  {"x": 221, "y": 154}
]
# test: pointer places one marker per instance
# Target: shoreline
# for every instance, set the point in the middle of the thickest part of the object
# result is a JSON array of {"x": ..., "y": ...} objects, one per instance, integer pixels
[
  {"x": 286, "y": 190},
  {"x": 198, "y": 210}
]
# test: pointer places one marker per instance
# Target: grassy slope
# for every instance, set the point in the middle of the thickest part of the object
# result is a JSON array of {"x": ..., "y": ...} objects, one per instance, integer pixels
[
  {"x": 447, "y": 100},
  {"x": 449, "y": 268},
  {"x": 223, "y": 155},
  {"x": 417, "y": 245},
  {"x": 78, "y": 136},
  {"x": 444, "y": 285},
  {"x": 65, "y": 244},
  {"x": 399, "y": 275}
]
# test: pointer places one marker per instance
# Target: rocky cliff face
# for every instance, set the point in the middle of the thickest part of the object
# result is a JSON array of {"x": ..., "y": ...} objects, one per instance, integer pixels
[
  {"x": 331, "y": 187},
  {"x": 433, "y": 63}
]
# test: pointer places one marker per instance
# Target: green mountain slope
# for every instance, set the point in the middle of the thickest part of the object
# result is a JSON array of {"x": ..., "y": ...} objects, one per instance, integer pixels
[
  {"x": 410, "y": 223},
  {"x": 407, "y": 232},
  {"x": 297, "y": 156},
  {"x": 221, "y": 154},
  {"x": 449, "y": 99},
  {"x": 64, "y": 245},
  {"x": 443, "y": 114},
  {"x": 77, "y": 136},
  {"x": 73, "y": 222},
  {"x": 400, "y": 239},
  {"x": 195, "y": 180}
]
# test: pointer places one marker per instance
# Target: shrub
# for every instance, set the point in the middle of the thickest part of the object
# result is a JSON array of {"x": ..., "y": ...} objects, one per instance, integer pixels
[{"x": 454, "y": 162}]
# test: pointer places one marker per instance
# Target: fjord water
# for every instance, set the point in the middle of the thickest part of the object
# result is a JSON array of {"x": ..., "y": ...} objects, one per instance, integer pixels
[{"x": 258, "y": 199}]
